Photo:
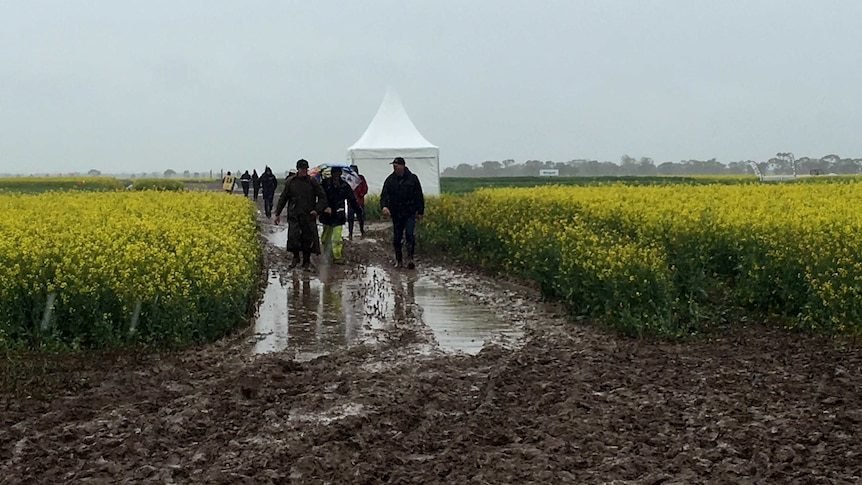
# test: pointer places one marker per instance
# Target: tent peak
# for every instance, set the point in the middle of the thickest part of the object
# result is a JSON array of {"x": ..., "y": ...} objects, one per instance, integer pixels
[{"x": 391, "y": 127}]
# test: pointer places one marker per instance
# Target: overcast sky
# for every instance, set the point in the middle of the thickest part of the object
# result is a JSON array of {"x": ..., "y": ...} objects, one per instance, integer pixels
[{"x": 150, "y": 85}]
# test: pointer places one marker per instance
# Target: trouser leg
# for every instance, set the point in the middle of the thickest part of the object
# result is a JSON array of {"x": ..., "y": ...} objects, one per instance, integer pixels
[
  {"x": 326, "y": 240},
  {"x": 409, "y": 227},
  {"x": 398, "y": 237},
  {"x": 336, "y": 242}
]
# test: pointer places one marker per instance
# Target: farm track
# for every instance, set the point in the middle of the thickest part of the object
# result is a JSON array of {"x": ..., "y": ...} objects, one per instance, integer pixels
[{"x": 570, "y": 404}]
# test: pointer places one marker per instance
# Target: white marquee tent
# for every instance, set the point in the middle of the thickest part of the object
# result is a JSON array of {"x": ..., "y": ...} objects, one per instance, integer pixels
[{"x": 391, "y": 134}]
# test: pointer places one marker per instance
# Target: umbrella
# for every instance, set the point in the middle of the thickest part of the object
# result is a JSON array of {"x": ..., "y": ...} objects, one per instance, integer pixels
[{"x": 324, "y": 171}]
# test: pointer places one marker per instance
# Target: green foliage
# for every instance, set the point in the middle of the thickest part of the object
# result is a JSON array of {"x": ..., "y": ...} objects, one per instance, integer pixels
[
  {"x": 372, "y": 207},
  {"x": 157, "y": 184},
  {"x": 460, "y": 185},
  {"x": 33, "y": 185}
]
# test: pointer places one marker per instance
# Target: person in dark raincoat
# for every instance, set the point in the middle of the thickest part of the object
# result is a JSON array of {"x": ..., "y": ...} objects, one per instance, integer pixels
[
  {"x": 305, "y": 200},
  {"x": 402, "y": 199},
  {"x": 268, "y": 184},
  {"x": 245, "y": 180},
  {"x": 255, "y": 183}
]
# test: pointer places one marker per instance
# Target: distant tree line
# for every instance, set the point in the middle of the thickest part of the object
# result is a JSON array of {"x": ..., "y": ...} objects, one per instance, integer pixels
[{"x": 778, "y": 165}]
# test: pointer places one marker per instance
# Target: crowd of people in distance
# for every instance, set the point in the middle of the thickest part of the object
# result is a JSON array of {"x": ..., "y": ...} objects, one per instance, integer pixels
[{"x": 308, "y": 199}]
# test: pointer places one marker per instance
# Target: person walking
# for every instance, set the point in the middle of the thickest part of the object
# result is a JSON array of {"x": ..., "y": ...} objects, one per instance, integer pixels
[
  {"x": 337, "y": 193},
  {"x": 268, "y": 184},
  {"x": 245, "y": 180},
  {"x": 255, "y": 183},
  {"x": 305, "y": 199},
  {"x": 227, "y": 182},
  {"x": 359, "y": 192},
  {"x": 402, "y": 199}
]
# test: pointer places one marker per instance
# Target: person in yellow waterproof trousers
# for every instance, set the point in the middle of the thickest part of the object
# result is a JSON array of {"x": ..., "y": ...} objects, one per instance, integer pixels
[{"x": 338, "y": 192}]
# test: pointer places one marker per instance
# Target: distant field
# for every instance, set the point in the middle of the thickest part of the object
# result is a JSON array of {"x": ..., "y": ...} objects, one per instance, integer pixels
[
  {"x": 45, "y": 184},
  {"x": 460, "y": 185}
]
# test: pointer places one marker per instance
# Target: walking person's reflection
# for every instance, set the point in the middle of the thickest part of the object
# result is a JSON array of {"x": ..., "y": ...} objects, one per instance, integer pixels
[
  {"x": 405, "y": 296},
  {"x": 301, "y": 312}
]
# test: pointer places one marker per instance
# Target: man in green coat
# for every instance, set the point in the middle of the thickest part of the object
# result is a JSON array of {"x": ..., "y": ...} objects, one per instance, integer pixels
[{"x": 305, "y": 199}]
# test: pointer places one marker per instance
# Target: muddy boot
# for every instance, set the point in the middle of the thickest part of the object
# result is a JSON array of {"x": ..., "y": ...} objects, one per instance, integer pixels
[
  {"x": 399, "y": 259},
  {"x": 295, "y": 262},
  {"x": 410, "y": 263},
  {"x": 306, "y": 261},
  {"x": 362, "y": 227}
]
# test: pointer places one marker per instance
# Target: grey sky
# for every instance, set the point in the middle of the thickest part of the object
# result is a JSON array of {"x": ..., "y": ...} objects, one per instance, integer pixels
[{"x": 120, "y": 85}]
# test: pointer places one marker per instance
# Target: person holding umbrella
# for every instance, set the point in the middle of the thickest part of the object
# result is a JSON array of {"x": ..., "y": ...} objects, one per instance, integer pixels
[
  {"x": 337, "y": 193},
  {"x": 359, "y": 191}
]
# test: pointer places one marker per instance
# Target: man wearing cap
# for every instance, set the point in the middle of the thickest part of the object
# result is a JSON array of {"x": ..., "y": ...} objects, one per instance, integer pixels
[
  {"x": 305, "y": 199},
  {"x": 402, "y": 199}
]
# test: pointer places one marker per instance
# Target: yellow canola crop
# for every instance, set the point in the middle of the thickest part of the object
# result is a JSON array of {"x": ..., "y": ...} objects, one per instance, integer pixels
[
  {"x": 669, "y": 259},
  {"x": 189, "y": 259}
]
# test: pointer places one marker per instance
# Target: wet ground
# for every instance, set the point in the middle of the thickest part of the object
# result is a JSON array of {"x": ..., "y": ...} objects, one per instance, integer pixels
[{"x": 365, "y": 374}]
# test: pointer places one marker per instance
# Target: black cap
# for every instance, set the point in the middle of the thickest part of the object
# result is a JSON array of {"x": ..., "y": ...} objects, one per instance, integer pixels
[
  {"x": 302, "y": 163},
  {"x": 336, "y": 169},
  {"x": 398, "y": 161}
]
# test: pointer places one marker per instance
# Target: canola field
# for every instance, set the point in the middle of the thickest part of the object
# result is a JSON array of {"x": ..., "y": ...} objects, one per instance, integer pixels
[
  {"x": 671, "y": 260},
  {"x": 103, "y": 269}
]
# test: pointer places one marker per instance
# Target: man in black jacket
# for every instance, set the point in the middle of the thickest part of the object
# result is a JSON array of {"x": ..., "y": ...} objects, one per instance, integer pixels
[
  {"x": 402, "y": 199},
  {"x": 245, "y": 180},
  {"x": 268, "y": 182},
  {"x": 305, "y": 199},
  {"x": 255, "y": 183}
]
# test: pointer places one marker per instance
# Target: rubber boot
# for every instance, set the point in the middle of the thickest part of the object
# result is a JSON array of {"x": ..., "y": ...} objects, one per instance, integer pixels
[
  {"x": 306, "y": 261},
  {"x": 399, "y": 259},
  {"x": 410, "y": 263},
  {"x": 295, "y": 262}
]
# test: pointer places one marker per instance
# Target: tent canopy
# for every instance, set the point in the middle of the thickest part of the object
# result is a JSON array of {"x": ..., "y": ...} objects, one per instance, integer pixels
[{"x": 391, "y": 134}]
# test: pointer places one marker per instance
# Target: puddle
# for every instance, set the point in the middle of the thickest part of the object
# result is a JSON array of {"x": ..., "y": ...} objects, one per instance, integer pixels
[
  {"x": 304, "y": 315},
  {"x": 278, "y": 236},
  {"x": 272, "y": 312},
  {"x": 458, "y": 324},
  {"x": 310, "y": 318}
]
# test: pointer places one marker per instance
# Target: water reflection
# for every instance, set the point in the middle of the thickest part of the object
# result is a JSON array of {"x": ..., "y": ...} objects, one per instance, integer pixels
[
  {"x": 456, "y": 323},
  {"x": 271, "y": 323},
  {"x": 311, "y": 316}
]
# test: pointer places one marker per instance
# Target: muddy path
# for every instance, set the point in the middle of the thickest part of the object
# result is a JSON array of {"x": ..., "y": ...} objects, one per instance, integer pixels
[{"x": 368, "y": 383}]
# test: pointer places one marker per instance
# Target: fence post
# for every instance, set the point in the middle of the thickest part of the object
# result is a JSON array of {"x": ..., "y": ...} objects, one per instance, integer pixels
[
  {"x": 49, "y": 308},
  {"x": 136, "y": 314}
]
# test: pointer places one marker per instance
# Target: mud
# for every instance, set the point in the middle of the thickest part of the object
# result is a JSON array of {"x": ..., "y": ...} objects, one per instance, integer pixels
[{"x": 384, "y": 400}]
